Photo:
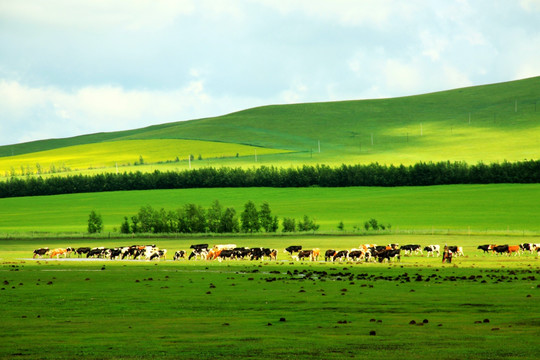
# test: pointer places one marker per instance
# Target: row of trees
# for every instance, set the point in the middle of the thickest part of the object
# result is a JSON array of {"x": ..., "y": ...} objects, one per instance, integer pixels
[
  {"x": 420, "y": 174},
  {"x": 193, "y": 218}
]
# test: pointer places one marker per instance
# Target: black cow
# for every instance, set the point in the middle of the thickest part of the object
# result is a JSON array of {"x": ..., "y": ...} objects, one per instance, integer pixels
[
  {"x": 40, "y": 252},
  {"x": 226, "y": 254},
  {"x": 96, "y": 252},
  {"x": 82, "y": 250},
  {"x": 486, "y": 248},
  {"x": 341, "y": 255},
  {"x": 293, "y": 248},
  {"x": 241, "y": 252},
  {"x": 256, "y": 253},
  {"x": 388, "y": 254},
  {"x": 114, "y": 253},
  {"x": 356, "y": 254},
  {"x": 500, "y": 249},
  {"x": 329, "y": 254},
  {"x": 408, "y": 249}
]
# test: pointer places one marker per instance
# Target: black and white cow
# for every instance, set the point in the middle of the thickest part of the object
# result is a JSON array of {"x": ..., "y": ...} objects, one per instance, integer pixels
[
  {"x": 341, "y": 255},
  {"x": 180, "y": 254},
  {"x": 82, "y": 250},
  {"x": 432, "y": 250},
  {"x": 114, "y": 253},
  {"x": 329, "y": 254},
  {"x": 456, "y": 250},
  {"x": 199, "y": 250},
  {"x": 293, "y": 248},
  {"x": 410, "y": 248},
  {"x": 41, "y": 252}
]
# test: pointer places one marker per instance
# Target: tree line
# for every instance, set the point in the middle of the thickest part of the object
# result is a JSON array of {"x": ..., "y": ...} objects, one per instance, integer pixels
[
  {"x": 419, "y": 174},
  {"x": 193, "y": 219}
]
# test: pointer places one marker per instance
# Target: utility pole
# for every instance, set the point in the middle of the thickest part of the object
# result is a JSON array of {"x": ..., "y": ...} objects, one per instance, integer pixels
[{"x": 319, "y": 146}]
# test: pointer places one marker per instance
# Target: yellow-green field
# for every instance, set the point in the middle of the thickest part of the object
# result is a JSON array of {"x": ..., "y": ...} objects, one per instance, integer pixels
[{"x": 126, "y": 153}]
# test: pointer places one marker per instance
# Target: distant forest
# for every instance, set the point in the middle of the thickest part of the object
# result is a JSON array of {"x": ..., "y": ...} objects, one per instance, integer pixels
[{"x": 420, "y": 174}]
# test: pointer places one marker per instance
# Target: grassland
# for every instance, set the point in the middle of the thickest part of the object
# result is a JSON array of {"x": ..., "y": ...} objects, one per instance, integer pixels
[
  {"x": 501, "y": 208},
  {"x": 490, "y": 123},
  {"x": 474, "y": 308}
]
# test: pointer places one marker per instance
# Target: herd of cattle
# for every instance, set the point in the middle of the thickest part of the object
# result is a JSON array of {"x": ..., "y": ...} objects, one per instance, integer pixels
[{"x": 366, "y": 252}]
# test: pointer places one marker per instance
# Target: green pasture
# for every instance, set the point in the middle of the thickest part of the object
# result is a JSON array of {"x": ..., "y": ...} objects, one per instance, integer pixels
[
  {"x": 500, "y": 208},
  {"x": 490, "y": 123},
  {"x": 478, "y": 307}
]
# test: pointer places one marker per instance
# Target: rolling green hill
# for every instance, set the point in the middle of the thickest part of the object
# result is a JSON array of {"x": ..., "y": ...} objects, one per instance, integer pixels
[{"x": 489, "y": 123}]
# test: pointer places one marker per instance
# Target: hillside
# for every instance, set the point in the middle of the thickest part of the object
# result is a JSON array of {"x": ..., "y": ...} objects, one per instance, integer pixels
[{"x": 489, "y": 123}]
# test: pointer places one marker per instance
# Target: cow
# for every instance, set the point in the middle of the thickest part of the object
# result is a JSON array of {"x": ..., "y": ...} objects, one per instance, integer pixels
[
  {"x": 213, "y": 254},
  {"x": 241, "y": 252},
  {"x": 199, "y": 250},
  {"x": 273, "y": 254},
  {"x": 302, "y": 254},
  {"x": 500, "y": 249},
  {"x": 341, "y": 255},
  {"x": 388, "y": 254},
  {"x": 293, "y": 248},
  {"x": 315, "y": 254},
  {"x": 456, "y": 250},
  {"x": 329, "y": 254},
  {"x": 356, "y": 254},
  {"x": 40, "y": 252},
  {"x": 486, "y": 248},
  {"x": 180, "y": 254},
  {"x": 432, "y": 249},
  {"x": 82, "y": 250},
  {"x": 114, "y": 253},
  {"x": 225, "y": 253},
  {"x": 410, "y": 248},
  {"x": 57, "y": 252},
  {"x": 96, "y": 252},
  {"x": 514, "y": 249},
  {"x": 530, "y": 247},
  {"x": 202, "y": 253}
]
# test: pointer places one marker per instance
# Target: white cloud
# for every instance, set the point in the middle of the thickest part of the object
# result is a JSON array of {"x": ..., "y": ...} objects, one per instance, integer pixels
[{"x": 530, "y": 5}]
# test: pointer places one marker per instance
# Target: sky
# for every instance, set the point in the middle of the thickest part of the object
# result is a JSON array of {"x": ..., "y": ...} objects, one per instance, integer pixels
[{"x": 74, "y": 67}]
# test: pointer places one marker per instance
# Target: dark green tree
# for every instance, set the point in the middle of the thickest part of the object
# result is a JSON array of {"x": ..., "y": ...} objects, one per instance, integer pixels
[
  {"x": 289, "y": 225},
  {"x": 213, "y": 216},
  {"x": 229, "y": 222},
  {"x": 266, "y": 219},
  {"x": 250, "y": 218},
  {"x": 95, "y": 223},
  {"x": 124, "y": 228}
]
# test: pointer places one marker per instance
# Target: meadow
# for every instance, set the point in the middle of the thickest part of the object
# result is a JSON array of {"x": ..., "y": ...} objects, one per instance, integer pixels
[
  {"x": 497, "y": 208},
  {"x": 478, "y": 307}
]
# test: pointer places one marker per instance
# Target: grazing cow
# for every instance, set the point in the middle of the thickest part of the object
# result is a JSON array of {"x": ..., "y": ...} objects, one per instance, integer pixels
[
  {"x": 432, "y": 249},
  {"x": 213, "y": 254},
  {"x": 341, "y": 255},
  {"x": 114, "y": 253},
  {"x": 180, "y": 254},
  {"x": 40, "y": 252},
  {"x": 293, "y": 248},
  {"x": 302, "y": 254},
  {"x": 202, "y": 253},
  {"x": 388, "y": 254},
  {"x": 58, "y": 252},
  {"x": 315, "y": 254},
  {"x": 500, "y": 249},
  {"x": 486, "y": 248},
  {"x": 225, "y": 253},
  {"x": 241, "y": 253},
  {"x": 82, "y": 250},
  {"x": 410, "y": 248},
  {"x": 356, "y": 254},
  {"x": 273, "y": 254},
  {"x": 530, "y": 247},
  {"x": 456, "y": 250},
  {"x": 95, "y": 252},
  {"x": 329, "y": 254}
]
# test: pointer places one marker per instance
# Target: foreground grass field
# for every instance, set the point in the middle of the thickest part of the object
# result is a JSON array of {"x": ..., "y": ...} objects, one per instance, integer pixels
[
  {"x": 478, "y": 307},
  {"x": 502, "y": 208}
]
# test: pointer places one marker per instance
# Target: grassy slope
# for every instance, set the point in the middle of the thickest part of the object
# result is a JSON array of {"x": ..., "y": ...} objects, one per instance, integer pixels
[
  {"x": 430, "y": 127},
  {"x": 496, "y": 208}
]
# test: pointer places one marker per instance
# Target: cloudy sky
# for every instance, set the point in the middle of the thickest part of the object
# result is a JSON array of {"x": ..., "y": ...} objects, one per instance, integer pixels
[{"x": 72, "y": 67}]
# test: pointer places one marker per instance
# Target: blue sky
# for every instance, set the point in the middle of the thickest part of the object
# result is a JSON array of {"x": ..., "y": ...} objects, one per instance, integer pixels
[{"x": 71, "y": 67}]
